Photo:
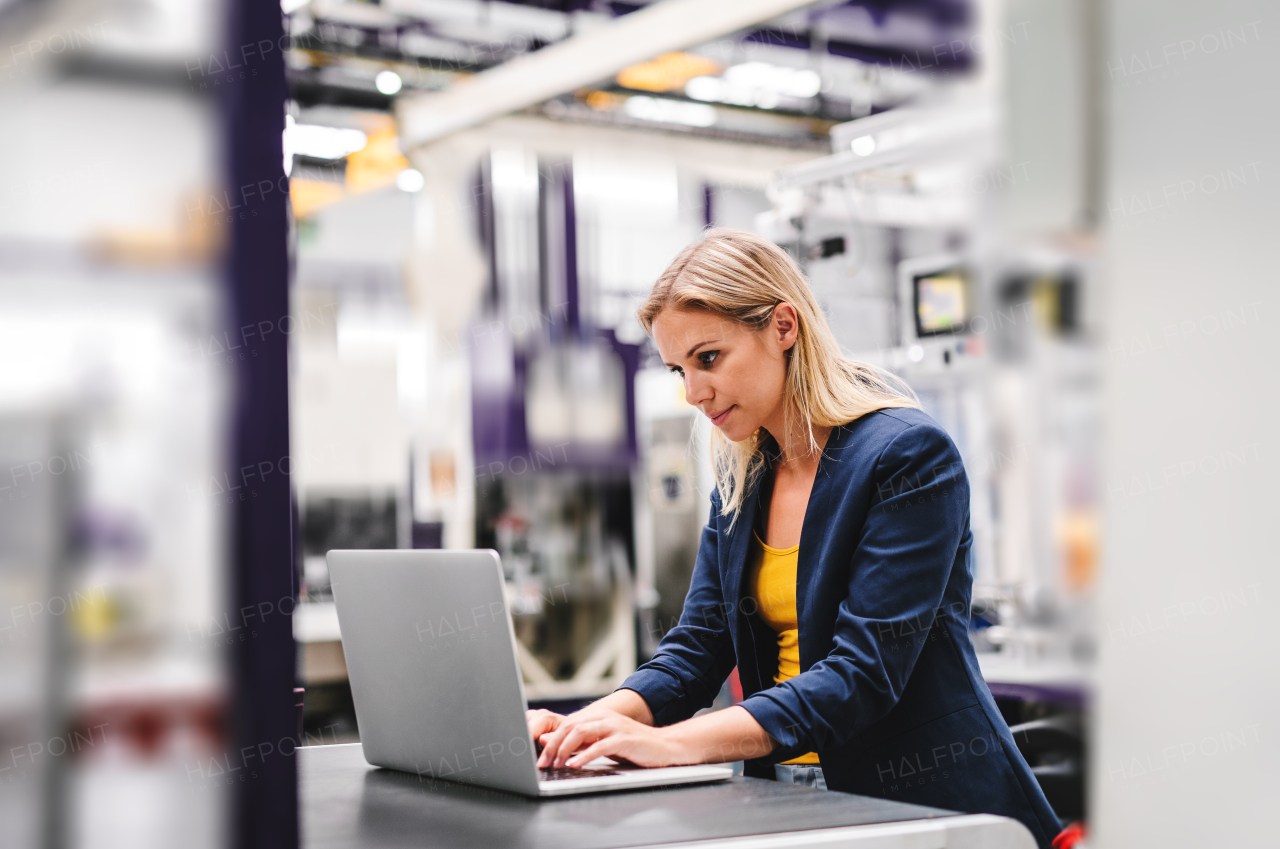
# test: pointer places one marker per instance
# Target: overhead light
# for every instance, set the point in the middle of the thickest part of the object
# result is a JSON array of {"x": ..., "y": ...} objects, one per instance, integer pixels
[
  {"x": 755, "y": 84},
  {"x": 320, "y": 142},
  {"x": 388, "y": 82},
  {"x": 721, "y": 90},
  {"x": 863, "y": 145},
  {"x": 705, "y": 88},
  {"x": 410, "y": 180},
  {"x": 915, "y": 353},
  {"x": 804, "y": 83},
  {"x": 793, "y": 82},
  {"x": 666, "y": 111},
  {"x": 284, "y": 144}
]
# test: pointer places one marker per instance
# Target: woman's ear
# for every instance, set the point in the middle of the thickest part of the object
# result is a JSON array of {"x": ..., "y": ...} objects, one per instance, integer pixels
[{"x": 784, "y": 326}]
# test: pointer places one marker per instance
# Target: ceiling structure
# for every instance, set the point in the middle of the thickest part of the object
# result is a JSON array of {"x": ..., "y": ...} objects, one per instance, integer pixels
[{"x": 785, "y": 80}]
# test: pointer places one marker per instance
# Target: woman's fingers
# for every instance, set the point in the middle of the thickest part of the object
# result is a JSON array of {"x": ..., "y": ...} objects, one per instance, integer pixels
[
  {"x": 572, "y": 732},
  {"x": 582, "y": 732},
  {"x": 568, "y": 745},
  {"x": 551, "y": 741},
  {"x": 600, "y": 748},
  {"x": 541, "y": 722}
]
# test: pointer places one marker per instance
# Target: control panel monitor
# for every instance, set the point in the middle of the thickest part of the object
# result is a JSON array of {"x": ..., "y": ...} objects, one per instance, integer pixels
[{"x": 941, "y": 302}]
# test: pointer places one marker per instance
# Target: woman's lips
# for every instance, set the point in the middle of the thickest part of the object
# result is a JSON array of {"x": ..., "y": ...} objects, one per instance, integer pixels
[{"x": 719, "y": 419}]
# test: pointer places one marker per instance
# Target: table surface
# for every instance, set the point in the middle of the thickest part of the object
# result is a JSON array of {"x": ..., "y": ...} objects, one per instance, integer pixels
[{"x": 347, "y": 803}]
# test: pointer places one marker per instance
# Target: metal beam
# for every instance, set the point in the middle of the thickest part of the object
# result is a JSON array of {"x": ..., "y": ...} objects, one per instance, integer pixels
[{"x": 578, "y": 61}]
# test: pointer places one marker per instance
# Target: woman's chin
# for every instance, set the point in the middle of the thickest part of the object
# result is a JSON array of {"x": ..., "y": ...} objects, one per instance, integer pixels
[{"x": 735, "y": 432}]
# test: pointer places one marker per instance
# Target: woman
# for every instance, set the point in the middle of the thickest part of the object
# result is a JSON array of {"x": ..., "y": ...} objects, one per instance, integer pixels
[{"x": 834, "y": 571}]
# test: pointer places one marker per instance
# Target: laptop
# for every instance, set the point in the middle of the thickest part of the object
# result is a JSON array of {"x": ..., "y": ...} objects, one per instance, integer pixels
[{"x": 431, "y": 657}]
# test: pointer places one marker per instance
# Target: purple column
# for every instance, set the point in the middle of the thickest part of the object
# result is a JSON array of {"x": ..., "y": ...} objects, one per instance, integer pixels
[{"x": 262, "y": 717}]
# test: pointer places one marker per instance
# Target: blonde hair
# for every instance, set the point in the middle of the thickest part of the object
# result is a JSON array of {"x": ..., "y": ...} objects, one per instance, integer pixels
[{"x": 741, "y": 277}]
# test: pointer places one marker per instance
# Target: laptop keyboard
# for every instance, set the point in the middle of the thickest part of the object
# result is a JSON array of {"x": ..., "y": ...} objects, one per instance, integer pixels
[{"x": 561, "y": 773}]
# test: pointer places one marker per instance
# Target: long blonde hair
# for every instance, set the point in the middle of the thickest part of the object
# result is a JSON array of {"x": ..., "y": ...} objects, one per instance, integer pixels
[{"x": 741, "y": 277}]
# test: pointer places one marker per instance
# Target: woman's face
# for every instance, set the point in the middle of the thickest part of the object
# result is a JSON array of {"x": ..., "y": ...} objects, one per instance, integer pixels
[{"x": 733, "y": 375}]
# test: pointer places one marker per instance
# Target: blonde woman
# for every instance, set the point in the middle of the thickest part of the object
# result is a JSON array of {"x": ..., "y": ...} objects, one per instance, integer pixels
[{"x": 835, "y": 569}]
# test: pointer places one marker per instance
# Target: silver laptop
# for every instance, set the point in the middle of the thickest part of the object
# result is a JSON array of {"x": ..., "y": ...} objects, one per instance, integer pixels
[{"x": 431, "y": 656}]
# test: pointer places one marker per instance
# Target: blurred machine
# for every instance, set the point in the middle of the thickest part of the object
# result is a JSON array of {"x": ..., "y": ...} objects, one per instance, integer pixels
[{"x": 554, "y": 435}]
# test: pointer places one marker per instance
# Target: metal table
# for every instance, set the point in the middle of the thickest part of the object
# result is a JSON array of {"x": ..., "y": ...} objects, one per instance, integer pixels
[{"x": 346, "y": 804}]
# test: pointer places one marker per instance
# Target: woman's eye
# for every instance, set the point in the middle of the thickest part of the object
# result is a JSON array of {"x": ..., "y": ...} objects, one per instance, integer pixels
[
  {"x": 676, "y": 370},
  {"x": 708, "y": 357}
]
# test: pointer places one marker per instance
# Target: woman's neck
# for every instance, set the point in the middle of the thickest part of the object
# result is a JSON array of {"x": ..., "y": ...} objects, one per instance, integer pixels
[{"x": 795, "y": 453}]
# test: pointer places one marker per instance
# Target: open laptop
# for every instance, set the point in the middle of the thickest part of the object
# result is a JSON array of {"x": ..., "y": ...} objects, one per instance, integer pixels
[{"x": 431, "y": 656}]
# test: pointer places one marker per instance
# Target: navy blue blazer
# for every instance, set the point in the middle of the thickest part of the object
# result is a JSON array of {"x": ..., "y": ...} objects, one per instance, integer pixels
[{"x": 889, "y": 694}]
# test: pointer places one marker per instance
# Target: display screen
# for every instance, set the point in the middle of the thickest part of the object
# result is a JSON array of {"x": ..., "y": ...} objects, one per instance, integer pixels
[{"x": 942, "y": 302}]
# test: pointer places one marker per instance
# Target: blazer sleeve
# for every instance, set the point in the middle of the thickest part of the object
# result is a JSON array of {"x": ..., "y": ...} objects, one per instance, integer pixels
[
  {"x": 901, "y": 565},
  {"x": 696, "y": 656}
]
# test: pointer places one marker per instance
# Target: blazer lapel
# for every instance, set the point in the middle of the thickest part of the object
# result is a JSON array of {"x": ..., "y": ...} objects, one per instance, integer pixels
[
  {"x": 739, "y": 537},
  {"x": 745, "y": 642},
  {"x": 813, "y": 531}
]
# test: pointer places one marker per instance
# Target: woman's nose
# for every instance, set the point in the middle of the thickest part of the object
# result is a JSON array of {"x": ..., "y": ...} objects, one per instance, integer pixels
[{"x": 696, "y": 390}]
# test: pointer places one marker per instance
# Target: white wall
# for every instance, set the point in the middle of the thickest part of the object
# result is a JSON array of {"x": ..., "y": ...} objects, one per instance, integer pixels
[{"x": 1189, "y": 695}]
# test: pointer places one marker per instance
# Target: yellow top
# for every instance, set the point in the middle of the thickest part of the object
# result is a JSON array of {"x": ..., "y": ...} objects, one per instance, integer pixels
[{"x": 772, "y": 582}]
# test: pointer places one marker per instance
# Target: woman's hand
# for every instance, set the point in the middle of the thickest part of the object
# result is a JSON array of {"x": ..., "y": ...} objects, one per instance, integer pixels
[
  {"x": 629, "y": 703},
  {"x": 579, "y": 738},
  {"x": 620, "y": 726}
]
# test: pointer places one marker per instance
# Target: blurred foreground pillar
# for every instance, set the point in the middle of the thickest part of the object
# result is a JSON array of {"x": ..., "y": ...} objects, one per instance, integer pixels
[
  {"x": 263, "y": 721},
  {"x": 1189, "y": 698}
]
